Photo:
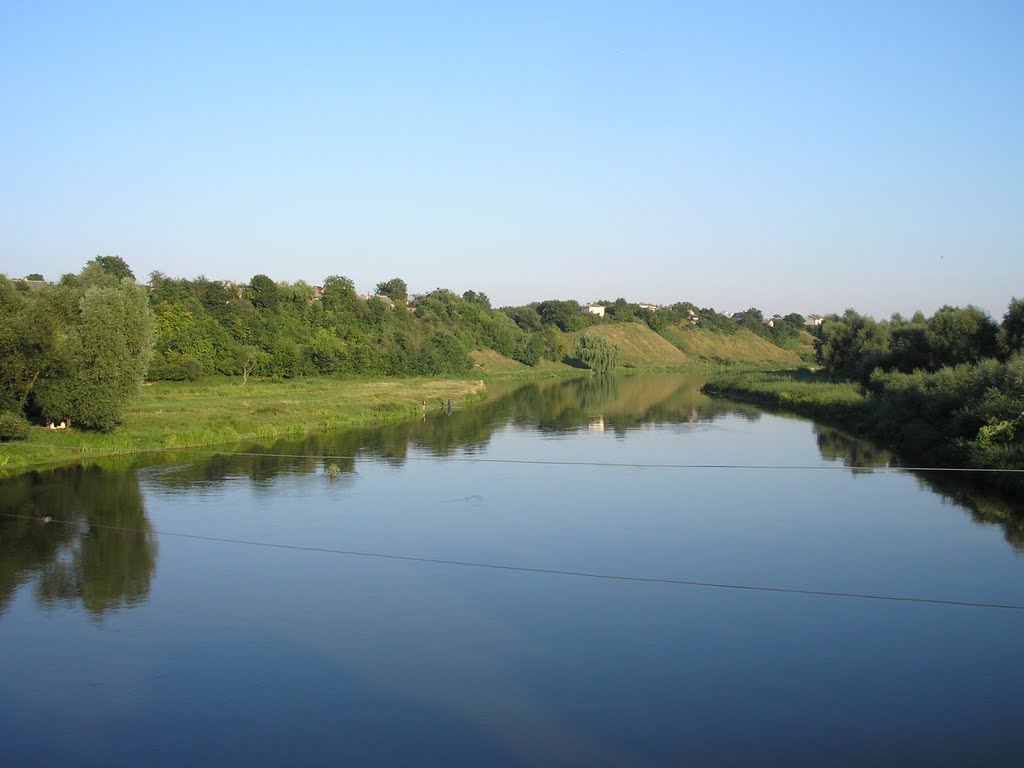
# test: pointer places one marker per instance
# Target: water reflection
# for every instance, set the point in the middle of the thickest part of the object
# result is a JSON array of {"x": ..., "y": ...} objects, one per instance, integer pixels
[
  {"x": 610, "y": 404},
  {"x": 853, "y": 452},
  {"x": 98, "y": 549},
  {"x": 983, "y": 504},
  {"x": 104, "y": 557}
]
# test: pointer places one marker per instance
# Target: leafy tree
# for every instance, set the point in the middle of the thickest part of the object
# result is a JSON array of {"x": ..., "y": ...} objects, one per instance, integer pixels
[
  {"x": 909, "y": 348},
  {"x": 622, "y": 311},
  {"x": 1011, "y": 331},
  {"x": 395, "y": 289},
  {"x": 34, "y": 276},
  {"x": 597, "y": 354},
  {"x": 263, "y": 292},
  {"x": 961, "y": 335},
  {"x": 565, "y": 315},
  {"x": 527, "y": 318},
  {"x": 795, "y": 320},
  {"x": 530, "y": 349},
  {"x": 97, "y": 364},
  {"x": 30, "y": 325},
  {"x": 108, "y": 266},
  {"x": 340, "y": 297},
  {"x": 753, "y": 320},
  {"x": 327, "y": 352},
  {"x": 477, "y": 298},
  {"x": 852, "y": 345}
]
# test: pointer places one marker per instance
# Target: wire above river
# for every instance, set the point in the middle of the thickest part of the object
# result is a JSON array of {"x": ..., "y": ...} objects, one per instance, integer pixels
[
  {"x": 865, "y": 469},
  {"x": 541, "y": 571},
  {"x": 608, "y": 464}
]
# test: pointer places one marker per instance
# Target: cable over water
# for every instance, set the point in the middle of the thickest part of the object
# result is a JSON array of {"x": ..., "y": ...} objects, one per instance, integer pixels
[
  {"x": 867, "y": 469},
  {"x": 546, "y": 571}
]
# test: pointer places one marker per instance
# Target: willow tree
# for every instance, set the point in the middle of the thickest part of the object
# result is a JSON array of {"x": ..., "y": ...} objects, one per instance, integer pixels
[{"x": 597, "y": 354}]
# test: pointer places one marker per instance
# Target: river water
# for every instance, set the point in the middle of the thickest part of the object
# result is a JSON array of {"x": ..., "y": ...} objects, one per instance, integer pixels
[{"x": 149, "y": 622}]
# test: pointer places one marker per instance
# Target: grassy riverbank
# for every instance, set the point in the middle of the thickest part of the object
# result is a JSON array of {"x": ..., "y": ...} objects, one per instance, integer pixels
[
  {"x": 220, "y": 410},
  {"x": 801, "y": 391},
  {"x": 942, "y": 419}
]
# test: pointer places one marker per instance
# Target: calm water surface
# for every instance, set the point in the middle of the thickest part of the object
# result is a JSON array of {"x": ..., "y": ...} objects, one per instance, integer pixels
[{"x": 125, "y": 645}]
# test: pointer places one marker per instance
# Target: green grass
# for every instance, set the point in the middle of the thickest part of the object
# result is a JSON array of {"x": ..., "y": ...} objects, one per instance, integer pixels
[
  {"x": 491, "y": 364},
  {"x": 638, "y": 345},
  {"x": 801, "y": 391},
  {"x": 217, "y": 411},
  {"x": 698, "y": 345}
]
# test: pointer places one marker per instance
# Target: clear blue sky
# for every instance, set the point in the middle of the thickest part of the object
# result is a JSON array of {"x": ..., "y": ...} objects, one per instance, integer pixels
[{"x": 792, "y": 156}]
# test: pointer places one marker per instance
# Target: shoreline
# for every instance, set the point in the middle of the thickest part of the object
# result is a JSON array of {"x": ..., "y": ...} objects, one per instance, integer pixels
[
  {"x": 221, "y": 411},
  {"x": 845, "y": 405}
]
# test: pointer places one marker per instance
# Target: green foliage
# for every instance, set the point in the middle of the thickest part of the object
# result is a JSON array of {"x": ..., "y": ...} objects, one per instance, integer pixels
[
  {"x": 97, "y": 365},
  {"x": 340, "y": 298},
  {"x": 961, "y": 335},
  {"x": 109, "y": 268},
  {"x": 968, "y": 415},
  {"x": 395, "y": 289},
  {"x": 597, "y": 354},
  {"x": 477, "y": 298},
  {"x": 622, "y": 311},
  {"x": 12, "y": 426},
  {"x": 263, "y": 292},
  {"x": 795, "y": 320},
  {"x": 852, "y": 345},
  {"x": 565, "y": 315},
  {"x": 530, "y": 349},
  {"x": 27, "y": 334},
  {"x": 527, "y": 318},
  {"x": 1011, "y": 331},
  {"x": 752, "y": 319},
  {"x": 817, "y": 395},
  {"x": 909, "y": 347}
]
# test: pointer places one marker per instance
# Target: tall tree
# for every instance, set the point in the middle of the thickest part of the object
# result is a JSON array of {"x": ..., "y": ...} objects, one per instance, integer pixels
[
  {"x": 597, "y": 354},
  {"x": 1011, "y": 331},
  {"x": 395, "y": 289},
  {"x": 339, "y": 296},
  {"x": 263, "y": 292},
  {"x": 108, "y": 266},
  {"x": 563, "y": 314},
  {"x": 97, "y": 364},
  {"x": 961, "y": 335}
]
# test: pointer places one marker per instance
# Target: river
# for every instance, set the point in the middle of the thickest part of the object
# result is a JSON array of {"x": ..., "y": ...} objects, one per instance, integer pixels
[{"x": 572, "y": 573}]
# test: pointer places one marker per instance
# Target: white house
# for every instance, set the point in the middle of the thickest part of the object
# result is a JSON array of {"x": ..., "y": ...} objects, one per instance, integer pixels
[{"x": 593, "y": 309}]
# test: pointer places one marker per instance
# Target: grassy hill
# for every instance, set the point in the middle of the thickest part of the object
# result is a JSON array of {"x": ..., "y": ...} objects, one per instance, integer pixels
[
  {"x": 487, "y": 361},
  {"x": 638, "y": 345},
  {"x": 700, "y": 346}
]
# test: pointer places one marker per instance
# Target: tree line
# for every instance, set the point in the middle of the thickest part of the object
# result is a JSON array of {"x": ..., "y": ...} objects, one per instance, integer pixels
[
  {"x": 948, "y": 387},
  {"x": 78, "y": 350}
]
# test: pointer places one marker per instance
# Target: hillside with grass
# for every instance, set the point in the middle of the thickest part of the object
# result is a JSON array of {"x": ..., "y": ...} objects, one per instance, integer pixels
[
  {"x": 699, "y": 346},
  {"x": 487, "y": 362},
  {"x": 638, "y": 345}
]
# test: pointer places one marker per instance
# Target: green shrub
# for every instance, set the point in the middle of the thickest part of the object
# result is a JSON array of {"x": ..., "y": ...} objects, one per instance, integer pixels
[{"x": 12, "y": 427}]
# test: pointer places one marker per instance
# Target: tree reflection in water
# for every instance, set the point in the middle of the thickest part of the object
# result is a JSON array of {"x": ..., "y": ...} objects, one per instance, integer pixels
[
  {"x": 104, "y": 557},
  {"x": 983, "y": 504},
  {"x": 98, "y": 551}
]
